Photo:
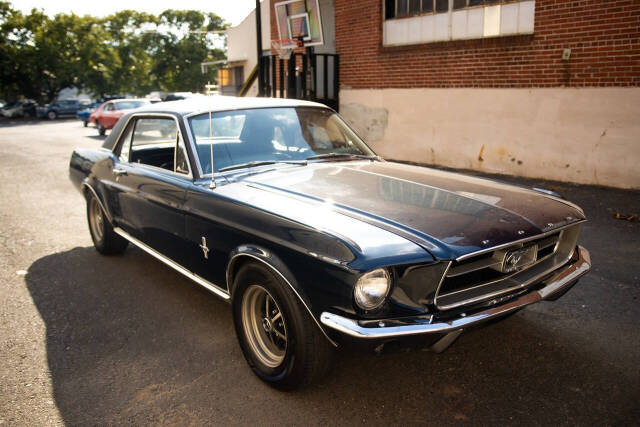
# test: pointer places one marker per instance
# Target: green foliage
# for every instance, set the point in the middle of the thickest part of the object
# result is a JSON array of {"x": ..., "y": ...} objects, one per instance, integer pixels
[{"x": 127, "y": 52}]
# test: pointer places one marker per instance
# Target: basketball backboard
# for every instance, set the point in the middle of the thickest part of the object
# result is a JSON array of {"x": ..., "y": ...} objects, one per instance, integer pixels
[{"x": 299, "y": 20}]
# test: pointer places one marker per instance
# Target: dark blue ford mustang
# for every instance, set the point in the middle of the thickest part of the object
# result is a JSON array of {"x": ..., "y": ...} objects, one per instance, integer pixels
[{"x": 313, "y": 238}]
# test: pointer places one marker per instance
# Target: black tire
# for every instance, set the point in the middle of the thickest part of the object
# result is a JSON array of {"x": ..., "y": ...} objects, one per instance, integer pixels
[
  {"x": 307, "y": 353},
  {"x": 52, "y": 115},
  {"x": 85, "y": 123},
  {"x": 105, "y": 240},
  {"x": 101, "y": 129}
]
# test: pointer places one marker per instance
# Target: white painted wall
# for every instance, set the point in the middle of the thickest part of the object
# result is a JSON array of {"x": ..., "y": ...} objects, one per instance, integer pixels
[
  {"x": 241, "y": 39},
  {"x": 582, "y": 135}
]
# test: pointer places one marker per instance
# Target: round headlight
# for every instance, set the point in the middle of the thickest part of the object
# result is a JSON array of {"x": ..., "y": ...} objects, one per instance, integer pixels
[{"x": 372, "y": 288}]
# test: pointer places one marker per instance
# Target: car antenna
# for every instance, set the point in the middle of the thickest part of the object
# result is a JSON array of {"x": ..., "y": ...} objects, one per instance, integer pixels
[{"x": 209, "y": 92}]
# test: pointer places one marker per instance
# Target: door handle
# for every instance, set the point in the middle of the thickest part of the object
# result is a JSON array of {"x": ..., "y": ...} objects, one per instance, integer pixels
[{"x": 118, "y": 171}]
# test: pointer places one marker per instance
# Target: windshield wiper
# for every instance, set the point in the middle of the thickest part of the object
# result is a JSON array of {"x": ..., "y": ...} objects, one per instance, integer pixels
[
  {"x": 339, "y": 155},
  {"x": 262, "y": 163}
]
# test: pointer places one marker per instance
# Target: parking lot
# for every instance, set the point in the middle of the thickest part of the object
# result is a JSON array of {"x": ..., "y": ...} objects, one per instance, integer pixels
[{"x": 87, "y": 339}]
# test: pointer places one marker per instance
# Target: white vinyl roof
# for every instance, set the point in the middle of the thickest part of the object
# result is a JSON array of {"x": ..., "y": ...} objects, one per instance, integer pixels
[{"x": 203, "y": 104}]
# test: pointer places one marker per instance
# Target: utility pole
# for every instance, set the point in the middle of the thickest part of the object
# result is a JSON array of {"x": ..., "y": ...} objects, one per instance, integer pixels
[{"x": 259, "y": 48}]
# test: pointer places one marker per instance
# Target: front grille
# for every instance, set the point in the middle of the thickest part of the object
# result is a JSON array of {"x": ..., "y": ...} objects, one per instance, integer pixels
[{"x": 482, "y": 277}]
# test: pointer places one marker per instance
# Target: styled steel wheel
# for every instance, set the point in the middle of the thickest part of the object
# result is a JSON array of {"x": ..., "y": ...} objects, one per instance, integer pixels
[
  {"x": 264, "y": 325},
  {"x": 105, "y": 240},
  {"x": 52, "y": 115},
  {"x": 279, "y": 339},
  {"x": 96, "y": 219}
]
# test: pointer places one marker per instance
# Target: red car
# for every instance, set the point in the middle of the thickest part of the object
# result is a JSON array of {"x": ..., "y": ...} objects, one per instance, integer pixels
[{"x": 106, "y": 116}]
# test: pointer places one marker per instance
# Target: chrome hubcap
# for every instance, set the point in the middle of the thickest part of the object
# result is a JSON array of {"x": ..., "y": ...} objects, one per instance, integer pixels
[
  {"x": 264, "y": 326},
  {"x": 96, "y": 219}
]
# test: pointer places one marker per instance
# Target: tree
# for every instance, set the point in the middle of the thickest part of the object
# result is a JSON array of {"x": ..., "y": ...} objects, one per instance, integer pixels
[{"x": 127, "y": 52}]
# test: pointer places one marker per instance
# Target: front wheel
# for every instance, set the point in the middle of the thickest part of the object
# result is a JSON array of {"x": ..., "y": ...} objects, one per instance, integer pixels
[
  {"x": 279, "y": 339},
  {"x": 85, "y": 123},
  {"x": 52, "y": 115},
  {"x": 105, "y": 240},
  {"x": 101, "y": 129}
]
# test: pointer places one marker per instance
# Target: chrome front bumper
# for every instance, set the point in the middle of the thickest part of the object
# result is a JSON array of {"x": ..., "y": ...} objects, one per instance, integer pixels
[{"x": 562, "y": 280}]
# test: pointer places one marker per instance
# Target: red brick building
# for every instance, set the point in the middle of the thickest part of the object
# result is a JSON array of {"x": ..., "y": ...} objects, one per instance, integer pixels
[{"x": 544, "y": 88}]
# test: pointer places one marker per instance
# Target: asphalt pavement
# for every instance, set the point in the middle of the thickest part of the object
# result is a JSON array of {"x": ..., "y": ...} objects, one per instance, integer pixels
[{"x": 87, "y": 339}]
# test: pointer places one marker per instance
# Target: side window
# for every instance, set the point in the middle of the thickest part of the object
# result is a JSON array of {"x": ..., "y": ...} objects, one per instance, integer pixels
[{"x": 156, "y": 142}]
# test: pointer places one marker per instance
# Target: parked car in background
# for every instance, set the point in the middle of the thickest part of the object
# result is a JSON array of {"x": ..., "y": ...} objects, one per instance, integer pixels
[
  {"x": 84, "y": 113},
  {"x": 106, "y": 116},
  {"x": 63, "y": 107},
  {"x": 278, "y": 207},
  {"x": 177, "y": 96},
  {"x": 23, "y": 108}
]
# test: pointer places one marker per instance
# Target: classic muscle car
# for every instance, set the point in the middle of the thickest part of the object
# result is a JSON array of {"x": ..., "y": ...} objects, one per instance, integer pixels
[
  {"x": 314, "y": 239},
  {"x": 107, "y": 115}
]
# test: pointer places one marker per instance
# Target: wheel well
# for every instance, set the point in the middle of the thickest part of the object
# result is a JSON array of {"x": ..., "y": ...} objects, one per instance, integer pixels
[
  {"x": 235, "y": 266},
  {"x": 88, "y": 191},
  {"x": 241, "y": 259}
]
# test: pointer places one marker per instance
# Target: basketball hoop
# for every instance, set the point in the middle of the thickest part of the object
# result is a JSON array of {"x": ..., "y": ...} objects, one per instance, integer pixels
[{"x": 285, "y": 47}]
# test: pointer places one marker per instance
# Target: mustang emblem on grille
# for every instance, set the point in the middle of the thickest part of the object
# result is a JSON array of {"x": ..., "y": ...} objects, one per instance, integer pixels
[
  {"x": 513, "y": 259},
  {"x": 519, "y": 258}
]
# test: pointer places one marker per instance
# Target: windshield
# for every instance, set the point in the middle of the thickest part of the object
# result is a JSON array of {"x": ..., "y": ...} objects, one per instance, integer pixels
[
  {"x": 272, "y": 134},
  {"x": 129, "y": 105}
]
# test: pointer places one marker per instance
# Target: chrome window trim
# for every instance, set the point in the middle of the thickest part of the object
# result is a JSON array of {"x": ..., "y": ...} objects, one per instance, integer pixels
[
  {"x": 194, "y": 151},
  {"x": 230, "y": 263},
  {"x": 151, "y": 115},
  {"x": 168, "y": 261},
  {"x": 526, "y": 239}
]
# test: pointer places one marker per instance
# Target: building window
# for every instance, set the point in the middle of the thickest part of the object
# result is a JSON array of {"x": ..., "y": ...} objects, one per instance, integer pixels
[
  {"x": 230, "y": 80},
  {"x": 423, "y": 21}
]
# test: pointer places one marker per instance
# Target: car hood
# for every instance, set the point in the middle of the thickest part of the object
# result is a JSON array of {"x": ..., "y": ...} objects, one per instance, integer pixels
[{"x": 449, "y": 214}]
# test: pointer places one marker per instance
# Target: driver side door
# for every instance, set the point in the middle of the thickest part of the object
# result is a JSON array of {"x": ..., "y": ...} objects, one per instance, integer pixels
[{"x": 150, "y": 176}]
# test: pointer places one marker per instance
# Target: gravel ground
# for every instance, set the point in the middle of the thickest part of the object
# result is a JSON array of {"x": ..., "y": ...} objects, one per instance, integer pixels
[{"x": 86, "y": 339}]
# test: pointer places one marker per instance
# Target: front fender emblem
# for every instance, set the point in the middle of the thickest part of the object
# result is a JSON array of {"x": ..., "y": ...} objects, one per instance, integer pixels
[{"x": 205, "y": 249}]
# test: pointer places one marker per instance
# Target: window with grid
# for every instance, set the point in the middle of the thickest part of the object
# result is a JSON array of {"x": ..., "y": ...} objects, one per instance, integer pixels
[
  {"x": 424, "y": 21},
  {"x": 405, "y": 8}
]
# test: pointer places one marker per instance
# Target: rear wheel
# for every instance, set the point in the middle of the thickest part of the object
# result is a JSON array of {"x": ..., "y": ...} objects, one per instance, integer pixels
[
  {"x": 281, "y": 343},
  {"x": 52, "y": 115},
  {"x": 105, "y": 240}
]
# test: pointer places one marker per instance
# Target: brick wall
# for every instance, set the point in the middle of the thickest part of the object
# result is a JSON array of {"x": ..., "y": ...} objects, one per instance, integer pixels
[{"x": 604, "y": 38}]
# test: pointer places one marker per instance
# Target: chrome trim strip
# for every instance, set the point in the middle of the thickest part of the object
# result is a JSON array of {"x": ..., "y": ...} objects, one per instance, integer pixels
[
  {"x": 526, "y": 239},
  {"x": 521, "y": 285},
  {"x": 230, "y": 263},
  {"x": 194, "y": 151},
  {"x": 180, "y": 269},
  {"x": 558, "y": 283},
  {"x": 473, "y": 266},
  {"x": 99, "y": 201}
]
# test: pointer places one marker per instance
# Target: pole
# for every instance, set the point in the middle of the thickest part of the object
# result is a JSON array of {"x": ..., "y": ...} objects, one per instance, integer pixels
[{"x": 259, "y": 48}]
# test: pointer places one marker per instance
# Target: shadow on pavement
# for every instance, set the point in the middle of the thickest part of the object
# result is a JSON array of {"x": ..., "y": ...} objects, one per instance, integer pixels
[
  {"x": 96, "y": 137},
  {"x": 131, "y": 341}
]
